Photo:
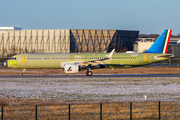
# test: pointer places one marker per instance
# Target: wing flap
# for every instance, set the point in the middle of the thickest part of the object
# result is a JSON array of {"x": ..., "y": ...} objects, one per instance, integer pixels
[{"x": 95, "y": 62}]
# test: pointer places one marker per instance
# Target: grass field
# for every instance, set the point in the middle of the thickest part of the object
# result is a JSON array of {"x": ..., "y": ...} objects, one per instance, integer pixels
[
  {"x": 52, "y": 96},
  {"x": 140, "y": 110},
  {"x": 96, "y": 89}
]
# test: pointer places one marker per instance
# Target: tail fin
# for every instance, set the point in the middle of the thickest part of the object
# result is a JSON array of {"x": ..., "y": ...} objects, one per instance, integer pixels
[{"x": 161, "y": 44}]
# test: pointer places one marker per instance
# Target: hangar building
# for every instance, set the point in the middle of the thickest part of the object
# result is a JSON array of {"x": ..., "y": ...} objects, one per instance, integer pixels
[
  {"x": 65, "y": 41},
  {"x": 8, "y": 29},
  {"x": 143, "y": 44}
]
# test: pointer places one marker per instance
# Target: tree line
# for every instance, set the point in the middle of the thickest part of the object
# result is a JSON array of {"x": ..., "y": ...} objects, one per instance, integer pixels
[{"x": 156, "y": 35}]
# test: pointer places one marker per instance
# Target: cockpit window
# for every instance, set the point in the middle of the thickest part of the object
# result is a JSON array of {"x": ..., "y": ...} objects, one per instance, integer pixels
[{"x": 13, "y": 58}]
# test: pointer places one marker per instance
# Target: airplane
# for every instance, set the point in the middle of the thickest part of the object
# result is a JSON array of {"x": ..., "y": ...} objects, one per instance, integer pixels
[{"x": 75, "y": 62}]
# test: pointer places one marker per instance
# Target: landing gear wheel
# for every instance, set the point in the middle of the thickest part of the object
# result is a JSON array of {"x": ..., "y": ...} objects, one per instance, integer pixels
[
  {"x": 23, "y": 74},
  {"x": 88, "y": 73}
]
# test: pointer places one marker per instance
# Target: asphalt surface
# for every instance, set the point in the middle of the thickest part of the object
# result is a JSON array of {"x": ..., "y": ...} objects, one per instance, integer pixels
[{"x": 93, "y": 76}]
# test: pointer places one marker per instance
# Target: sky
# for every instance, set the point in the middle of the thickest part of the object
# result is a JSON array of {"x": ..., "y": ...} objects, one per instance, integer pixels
[{"x": 146, "y": 16}]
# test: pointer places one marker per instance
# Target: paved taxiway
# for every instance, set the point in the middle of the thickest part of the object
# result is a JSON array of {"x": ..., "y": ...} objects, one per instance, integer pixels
[{"x": 93, "y": 76}]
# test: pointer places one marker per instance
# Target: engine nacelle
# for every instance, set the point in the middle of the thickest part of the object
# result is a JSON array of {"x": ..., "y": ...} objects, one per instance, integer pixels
[{"x": 71, "y": 68}]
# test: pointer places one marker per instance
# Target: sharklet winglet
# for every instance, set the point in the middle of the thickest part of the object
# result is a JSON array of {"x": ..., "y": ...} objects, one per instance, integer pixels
[{"x": 110, "y": 54}]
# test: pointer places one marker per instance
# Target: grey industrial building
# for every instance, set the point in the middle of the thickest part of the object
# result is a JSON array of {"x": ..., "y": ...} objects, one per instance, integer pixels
[
  {"x": 65, "y": 41},
  {"x": 174, "y": 47},
  {"x": 142, "y": 44}
]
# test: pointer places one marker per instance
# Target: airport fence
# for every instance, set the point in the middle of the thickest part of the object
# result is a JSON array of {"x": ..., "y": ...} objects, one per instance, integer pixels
[{"x": 103, "y": 111}]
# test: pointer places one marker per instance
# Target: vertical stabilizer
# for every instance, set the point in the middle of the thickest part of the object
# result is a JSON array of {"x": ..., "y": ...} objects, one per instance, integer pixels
[{"x": 161, "y": 44}]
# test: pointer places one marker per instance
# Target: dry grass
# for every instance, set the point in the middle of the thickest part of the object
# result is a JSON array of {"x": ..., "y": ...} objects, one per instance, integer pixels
[
  {"x": 140, "y": 110},
  {"x": 135, "y": 70},
  {"x": 15, "y": 108}
]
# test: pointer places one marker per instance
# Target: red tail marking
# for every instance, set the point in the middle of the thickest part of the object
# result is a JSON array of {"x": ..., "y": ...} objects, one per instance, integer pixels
[{"x": 168, "y": 41}]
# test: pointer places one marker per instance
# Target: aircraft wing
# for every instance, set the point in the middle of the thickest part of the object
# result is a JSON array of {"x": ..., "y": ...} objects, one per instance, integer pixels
[{"x": 95, "y": 62}]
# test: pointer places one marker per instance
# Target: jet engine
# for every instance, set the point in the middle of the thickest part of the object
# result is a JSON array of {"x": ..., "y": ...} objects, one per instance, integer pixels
[{"x": 71, "y": 68}]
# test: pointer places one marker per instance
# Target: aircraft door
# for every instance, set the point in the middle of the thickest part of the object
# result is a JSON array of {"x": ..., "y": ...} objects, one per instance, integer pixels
[
  {"x": 23, "y": 58},
  {"x": 77, "y": 58},
  {"x": 144, "y": 57}
]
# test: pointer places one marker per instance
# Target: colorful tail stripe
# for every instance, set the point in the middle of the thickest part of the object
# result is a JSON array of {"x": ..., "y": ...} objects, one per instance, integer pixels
[
  {"x": 161, "y": 44},
  {"x": 166, "y": 44}
]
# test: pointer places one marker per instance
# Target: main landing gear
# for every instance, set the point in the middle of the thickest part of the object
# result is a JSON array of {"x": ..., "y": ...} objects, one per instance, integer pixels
[{"x": 88, "y": 73}]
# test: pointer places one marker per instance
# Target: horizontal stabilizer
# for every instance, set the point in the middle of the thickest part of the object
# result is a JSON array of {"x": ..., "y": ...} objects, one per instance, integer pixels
[{"x": 164, "y": 56}]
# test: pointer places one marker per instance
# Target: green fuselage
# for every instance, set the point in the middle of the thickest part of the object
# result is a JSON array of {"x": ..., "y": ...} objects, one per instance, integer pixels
[{"x": 57, "y": 60}]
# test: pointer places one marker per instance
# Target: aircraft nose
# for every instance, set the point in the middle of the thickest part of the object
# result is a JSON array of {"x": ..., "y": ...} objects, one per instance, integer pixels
[{"x": 5, "y": 63}]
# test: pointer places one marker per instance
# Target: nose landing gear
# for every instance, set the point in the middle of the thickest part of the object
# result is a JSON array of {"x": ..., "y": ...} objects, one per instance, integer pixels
[{"x": 24, "y": 74}]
